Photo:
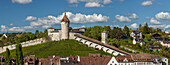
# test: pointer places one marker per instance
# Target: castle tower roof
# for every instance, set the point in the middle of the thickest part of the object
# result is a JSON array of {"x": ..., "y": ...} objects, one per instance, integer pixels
[
  {"x": 65, "y": 19},
  {"x": 104, "y": 32}
]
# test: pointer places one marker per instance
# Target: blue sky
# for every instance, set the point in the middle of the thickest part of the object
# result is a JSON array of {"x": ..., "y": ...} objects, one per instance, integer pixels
[{"x": 29, "y": 15}]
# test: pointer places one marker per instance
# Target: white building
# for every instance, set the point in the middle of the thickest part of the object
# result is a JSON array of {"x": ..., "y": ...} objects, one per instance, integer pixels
[
  {"x": 65, "y": 32},
  {"x": 104, "y": 37},
  {"x": 135, "y": 34}
]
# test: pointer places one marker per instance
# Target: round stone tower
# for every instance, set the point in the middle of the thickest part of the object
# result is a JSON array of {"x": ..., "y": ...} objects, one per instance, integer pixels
[
  {"x": 65, "y": 22},
  {"x": 104, "y": 37}
]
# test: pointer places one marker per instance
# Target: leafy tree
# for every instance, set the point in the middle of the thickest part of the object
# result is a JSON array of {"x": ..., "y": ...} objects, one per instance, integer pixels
[
  {"x": 126, "y": 31},
  {"x": 140, "y": 26},
  {"x": 3, "y": 38},
  {"x": 19, "y": 55},
  {"x": 37, "y": 33},
  {"x": 116, "y": 33},
  {"x": 108, "y": 29},
  {"x": 146, "y": 29},
  {"x": 7, "y": 57},
  {"x": 114, "y": 42}
]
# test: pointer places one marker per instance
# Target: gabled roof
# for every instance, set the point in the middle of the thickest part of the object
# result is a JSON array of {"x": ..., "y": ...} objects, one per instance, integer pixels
[
  {"x": 50, "y": 28},
  {"x": 65, "y": 19}
]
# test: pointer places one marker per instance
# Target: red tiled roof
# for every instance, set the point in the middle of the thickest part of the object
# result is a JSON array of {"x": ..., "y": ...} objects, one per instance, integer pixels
[
  {"x": 98, "y": 42},
  {"x": 65, "y": 19},
  {"x": 50, "y": 28},
  {"x": 104, "y": 32},
  {"x": 95, "y": 60},
  {"x": 76, "y": 30},
  {"x": 121, "y": 58}
]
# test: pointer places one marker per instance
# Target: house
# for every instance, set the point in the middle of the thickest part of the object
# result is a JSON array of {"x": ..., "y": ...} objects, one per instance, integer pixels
[
  {"x": 2, "y": 60},
  {"x": 165, "y": 60},
  {"x": 92, "y": 59},
  {"x": 137, "y": 40},
  {"x": 136, "y": 34},
  {"x": 165, "y": 43},
  {"x": 139, "y": 59},
  {"x": 124, "y": 60},
  {"x": 155, "y": 47},
  {"x": 4, "y": 35}
]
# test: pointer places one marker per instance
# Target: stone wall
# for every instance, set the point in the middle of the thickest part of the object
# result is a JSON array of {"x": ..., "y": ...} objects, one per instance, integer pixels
[
  {"x": 24, "y": 44},
  {"x": 103, "y": 47}
]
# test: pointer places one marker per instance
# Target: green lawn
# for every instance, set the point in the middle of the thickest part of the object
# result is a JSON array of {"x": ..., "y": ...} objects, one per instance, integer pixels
[
  {"x": 61, "y": 48},
  {"x": 29, "y": 49}
]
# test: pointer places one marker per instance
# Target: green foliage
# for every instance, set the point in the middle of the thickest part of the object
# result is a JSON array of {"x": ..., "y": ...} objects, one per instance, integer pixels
[
  {"x": 29, "y": 49},
  {"x": 126, "y": 31},
  {"x": 94, "y": 32},
  {"x": 147, "y": 37},
  {"x": 114, "y": 42},
  {"x": 116, "y": 33},
  {"x": 7, "y": 57},
  {"x": 19, "y": 55},
  {"x": 140, "y": 26},
  {"x": 67, "y": 48}
]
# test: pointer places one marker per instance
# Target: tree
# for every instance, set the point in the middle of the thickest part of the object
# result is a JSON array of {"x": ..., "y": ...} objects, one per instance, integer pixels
[
  {"x": 37, "y": 33},
  {"x": 126, "y": 31},
  {"x": 108, "y": 29},
  {"x": 19, "y": 55},
  {"x": 114, "y": 42},
  {"x": 116, "y": 33},
  {"x": 140, "y": 26},
  {"x": 145, "y": 29},
  {"x": 7, "y": 57}
]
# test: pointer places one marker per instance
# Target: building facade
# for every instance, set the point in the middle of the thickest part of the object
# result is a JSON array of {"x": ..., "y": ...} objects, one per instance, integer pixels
[{"x": 104, "y": 37}]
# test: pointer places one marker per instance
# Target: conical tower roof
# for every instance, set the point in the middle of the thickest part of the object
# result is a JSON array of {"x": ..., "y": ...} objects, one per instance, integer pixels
[{"x": 65, "y": 19}]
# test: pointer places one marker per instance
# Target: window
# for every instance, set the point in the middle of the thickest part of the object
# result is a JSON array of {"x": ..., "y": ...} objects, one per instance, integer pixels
[
  {"x": 110, "y": 64},
  {"x": 31, "y": 59},
  {"x": 112, "y": 61}
]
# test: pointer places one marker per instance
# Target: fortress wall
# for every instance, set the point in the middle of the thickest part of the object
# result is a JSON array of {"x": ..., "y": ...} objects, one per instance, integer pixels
[
  {"x": 24, "y": 44},
  {"x": 94, "y": 44}
]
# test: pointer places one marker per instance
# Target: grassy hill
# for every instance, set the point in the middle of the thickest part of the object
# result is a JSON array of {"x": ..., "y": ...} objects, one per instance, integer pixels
[{"x": 60, "y": 48}]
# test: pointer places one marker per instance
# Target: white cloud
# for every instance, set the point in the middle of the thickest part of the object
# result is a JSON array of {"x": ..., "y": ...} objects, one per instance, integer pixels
[
  {"x": 133, "y": 16},
  {"x": 107, "y": 1},
  {"x": 134, "y": 25},
  {"x": 148, "y": 17},
  {"x": 157, "y": 26},
  {"x": 154, "y": 21},
  {"x": 147, "y": 3},
  {"x": 121, "y": 0},
  {"x": 90, "y": 0},
  {"x": 22, "y": 1},
  {"x": 46, "y": 22},
  {"x": 3, "y": 27},
  {"x": 93, "y": 4},
  {"x": 163, "y": 16},
  {"x": 168, "y": 26},
  {"x": 74, "y": 5},
  {"x": 122, "y": 18},
  {"x": 11, "y": 24},
  {"x": 30, "y": 18},
  {"x": 73, "y": 1}
]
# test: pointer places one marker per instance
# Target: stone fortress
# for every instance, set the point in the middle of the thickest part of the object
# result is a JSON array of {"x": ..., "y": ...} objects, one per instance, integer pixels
[{"x": 65, "y": 32}]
